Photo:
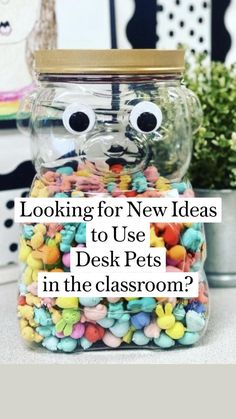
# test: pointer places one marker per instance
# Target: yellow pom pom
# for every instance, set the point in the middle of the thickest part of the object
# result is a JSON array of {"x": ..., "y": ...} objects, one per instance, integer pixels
[
  {"x": 125, "y": 180},
  {"x": 156, "y": 241},
  {"x": 123, "y": 187},
  {"x": 177, "y": 331},
  {"x": 84, "y": 173},
  {"x": 67, "y": 302},
  {"x": 34, "y": 263},
  {"x": 130, "y": 298},
  {"x": 56, "y": 315},
  {"x": 32, "y": 300},
  {"x": 24, "y": 251},
  {"x": 40, "y": 228},
  {"x": 128, "y": 337},
  {"x": 108, "y": 178},
  {"x": 37, "y": 240},
  {"x": 37, "y": 338},
  {"x": 23, "y": 323},
  {"x": 187, "y": 225},
  {"x": 166, "y": 319},
  {"x": 77, "y": 194},
  {"x": 26, "y": 312},
  {"x": 30, "y": 335},
  {"x": 162, "y": 184},
  {"x": 38, "y": 185},
  {"x": 43, "y": 193},
  {"x": 57, "y": 238}
]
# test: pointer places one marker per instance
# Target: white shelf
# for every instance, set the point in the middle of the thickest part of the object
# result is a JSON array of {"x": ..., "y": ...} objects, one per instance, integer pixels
[{"x": 9, "y": 274}]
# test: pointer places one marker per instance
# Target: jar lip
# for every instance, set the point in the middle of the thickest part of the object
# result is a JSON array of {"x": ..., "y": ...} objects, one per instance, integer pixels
[
  {"x": 110, "y": 61},
  {"x": 72, "y": 78}
]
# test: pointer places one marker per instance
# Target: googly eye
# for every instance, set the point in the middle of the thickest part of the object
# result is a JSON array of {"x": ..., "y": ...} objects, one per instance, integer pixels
[
  {"x": 146, "y": 117},
  {"x": 78, "y": 119}
]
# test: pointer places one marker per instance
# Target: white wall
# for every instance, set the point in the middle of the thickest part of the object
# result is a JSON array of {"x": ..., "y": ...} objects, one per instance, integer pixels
[
  {"x": 230, "y": 20},
  {"x": 86, "y": 23},
  {"x": 83, "y": 23}
]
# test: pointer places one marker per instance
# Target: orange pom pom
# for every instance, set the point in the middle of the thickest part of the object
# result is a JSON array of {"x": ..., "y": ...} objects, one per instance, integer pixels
[
  {"x": 49, "y": 255},
  {"x": 177, "y": 253}
]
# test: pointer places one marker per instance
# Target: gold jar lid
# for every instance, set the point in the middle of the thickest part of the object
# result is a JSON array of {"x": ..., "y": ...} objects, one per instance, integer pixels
[{"x": 109, "y": 61}]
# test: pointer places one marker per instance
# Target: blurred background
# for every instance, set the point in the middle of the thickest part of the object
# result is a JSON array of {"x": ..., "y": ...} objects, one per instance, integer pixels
[{"x": 204, "y": 26}]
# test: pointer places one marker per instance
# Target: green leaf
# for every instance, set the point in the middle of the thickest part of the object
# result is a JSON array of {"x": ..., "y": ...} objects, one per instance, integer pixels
[{"x": 213, "y": 158}]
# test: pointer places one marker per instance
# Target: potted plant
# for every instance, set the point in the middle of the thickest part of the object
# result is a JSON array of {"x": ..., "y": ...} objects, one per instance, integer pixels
[{"x": 213, "y": 167}]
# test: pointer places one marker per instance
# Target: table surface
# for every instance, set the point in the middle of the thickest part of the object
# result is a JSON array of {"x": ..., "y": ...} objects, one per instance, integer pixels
[{"x": 218, "y": 346}]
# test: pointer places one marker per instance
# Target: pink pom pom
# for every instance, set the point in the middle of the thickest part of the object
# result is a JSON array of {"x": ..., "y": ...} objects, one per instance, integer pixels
[
  {"x": 78, "y": 330},
  {"x": 66, "y": 259},
  {"x": 151, "y": 174}
]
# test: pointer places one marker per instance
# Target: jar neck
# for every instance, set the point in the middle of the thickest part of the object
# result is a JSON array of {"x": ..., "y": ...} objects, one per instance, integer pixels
[{"x": 110, "y": 78}]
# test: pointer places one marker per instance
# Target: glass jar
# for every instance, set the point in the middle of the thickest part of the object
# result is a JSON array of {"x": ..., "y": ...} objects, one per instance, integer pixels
[{"x": 118, "y": 123}]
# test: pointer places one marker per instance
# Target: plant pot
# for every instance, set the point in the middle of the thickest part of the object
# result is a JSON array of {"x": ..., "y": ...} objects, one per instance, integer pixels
[{"x": 220, "y": 265}]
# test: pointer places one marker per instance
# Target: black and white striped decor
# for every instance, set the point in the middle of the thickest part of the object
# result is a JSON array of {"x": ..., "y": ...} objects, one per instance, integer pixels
[
  {"x": 16, "y": 174},
  {"x": 203, "y": 25}
]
